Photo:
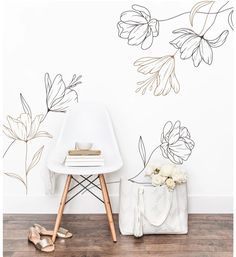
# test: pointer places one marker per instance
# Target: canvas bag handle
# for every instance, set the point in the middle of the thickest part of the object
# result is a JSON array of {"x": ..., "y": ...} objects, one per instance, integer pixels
[
  {"x": 140, "y": 213},
  {"x": 153, "y": 220}
]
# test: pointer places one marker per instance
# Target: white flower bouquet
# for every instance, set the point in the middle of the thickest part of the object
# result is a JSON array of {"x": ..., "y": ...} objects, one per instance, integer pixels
[{"x": 168, "y": 175}]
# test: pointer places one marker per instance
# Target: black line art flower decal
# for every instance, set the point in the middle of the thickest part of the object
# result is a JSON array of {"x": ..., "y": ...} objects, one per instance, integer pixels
[
  {"x": 176, "y": 142},
  {"x": 198, "y": 47},
  {"x": 162, "y": 79},
  {"x": 176, "y": 146},
  {"x": 138, "y": 27},
  {"x": 58, "y": 95}
]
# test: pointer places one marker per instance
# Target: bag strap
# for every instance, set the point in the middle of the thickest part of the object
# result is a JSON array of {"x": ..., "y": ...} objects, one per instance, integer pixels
[
  {"x": 138, "y": 213},
  {"x": 167, "y": 211}
]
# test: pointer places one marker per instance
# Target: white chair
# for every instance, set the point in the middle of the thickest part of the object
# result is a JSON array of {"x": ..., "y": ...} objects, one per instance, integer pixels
[{"x": 86, "y": 122}]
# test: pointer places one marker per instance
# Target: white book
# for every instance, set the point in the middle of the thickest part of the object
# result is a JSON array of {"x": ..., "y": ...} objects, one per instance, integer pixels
[
  {"x": 84, "y": 164},
  {"x": 79, "y": 157},
  {"x": 84, "y": 159}
]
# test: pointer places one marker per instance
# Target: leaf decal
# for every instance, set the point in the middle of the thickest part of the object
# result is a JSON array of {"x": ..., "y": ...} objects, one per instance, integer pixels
[
  {"x": 16, "y": 176},
  {"x": 196, "y": 8},
  {"x": 142, "y": 150},
  {"x": 25, "y": 106},
  {"x": 230, "y": 20},
  {"x": 36, "y": 158}
]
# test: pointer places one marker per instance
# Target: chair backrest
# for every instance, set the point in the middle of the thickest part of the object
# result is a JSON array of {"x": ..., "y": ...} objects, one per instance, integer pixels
[{"x": 86, "y": 122}]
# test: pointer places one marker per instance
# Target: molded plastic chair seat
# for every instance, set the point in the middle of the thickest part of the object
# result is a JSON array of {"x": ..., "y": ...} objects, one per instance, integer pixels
[{"x": 86, "y": 122}]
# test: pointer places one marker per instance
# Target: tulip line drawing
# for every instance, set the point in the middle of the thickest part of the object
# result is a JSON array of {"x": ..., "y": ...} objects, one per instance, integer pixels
[
  {"x": 176, "y": 146},
  {"x": 139, "y": 28},
  {"x": 26, "y": 128}
]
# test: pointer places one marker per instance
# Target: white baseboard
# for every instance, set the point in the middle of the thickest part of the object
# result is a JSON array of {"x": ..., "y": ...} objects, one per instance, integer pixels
[{"x": 89, "y": 204}]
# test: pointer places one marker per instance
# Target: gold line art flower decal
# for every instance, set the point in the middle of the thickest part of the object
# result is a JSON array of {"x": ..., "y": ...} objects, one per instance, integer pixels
[
  {"x": 25, "y": 128},
  {"x": 162, "y": 71},
  {"x": 138, "y": 27},
  {"x": 196, "y": 46},
  {"x": 58, "y": 95},
  {"x": 176, "y": 142}
]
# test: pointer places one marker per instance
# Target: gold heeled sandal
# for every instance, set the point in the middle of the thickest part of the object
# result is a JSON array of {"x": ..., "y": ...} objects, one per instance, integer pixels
[{"x": 61, "y": 233}]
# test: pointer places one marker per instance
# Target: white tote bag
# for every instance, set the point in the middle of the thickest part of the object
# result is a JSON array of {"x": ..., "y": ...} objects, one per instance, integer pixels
[{"x": 152, "y": 210}]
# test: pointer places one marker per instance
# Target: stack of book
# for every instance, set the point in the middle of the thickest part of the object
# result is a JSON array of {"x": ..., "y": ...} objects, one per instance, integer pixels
[{"x": 84, "y": 158}]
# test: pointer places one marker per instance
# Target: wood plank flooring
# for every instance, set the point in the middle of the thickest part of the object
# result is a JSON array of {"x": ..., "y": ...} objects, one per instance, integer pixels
[{"x": 209, "y": 236}]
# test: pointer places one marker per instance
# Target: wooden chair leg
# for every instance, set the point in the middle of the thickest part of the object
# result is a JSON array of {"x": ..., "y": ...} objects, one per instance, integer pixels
[
  {"x": 107, "y": 206},
  {"x": 61, "y": 207}
]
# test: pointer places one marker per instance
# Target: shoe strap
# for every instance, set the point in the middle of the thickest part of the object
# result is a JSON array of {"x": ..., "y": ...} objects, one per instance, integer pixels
[
  {"x": 62, "y": 232},
  {"x": 44, "y": 243}
]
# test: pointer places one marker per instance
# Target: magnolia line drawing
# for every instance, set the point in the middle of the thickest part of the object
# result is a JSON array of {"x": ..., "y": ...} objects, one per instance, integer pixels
[
  {"x": 25, "y": 128},
  {"x": 138, "y": 27}
]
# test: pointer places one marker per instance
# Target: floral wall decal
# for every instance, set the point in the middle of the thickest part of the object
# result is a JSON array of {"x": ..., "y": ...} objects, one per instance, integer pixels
[
  {"x": 139, "y": 28},
  {"x": 58, "y": 95},
  {"x": 25, "y": 128},
  {"x": 162, "y": 78},
  {"x": 176, "y": 146}
]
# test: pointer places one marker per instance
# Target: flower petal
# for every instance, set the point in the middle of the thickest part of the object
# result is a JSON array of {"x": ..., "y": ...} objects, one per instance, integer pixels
[
  {"x": 8, "y": 132},
  {"x": 206, "y": 52},
  {"x": 43, "y": 134},
  {"x": 57, "y": 89},
  {"x": 164, "y": 75},
  {"x": 189, "y": 47},
  {"x": 138, "y": 34},
  {"x": 174, "y": 158},
  {"x": 124, "y": 29},
  {"x": 144, "y": 11},
  {"x": 179, "y": 41},
  {"x": 175, "y": 133},
  {"x": 197, "y": 58},
  {"x": 18, "y": 128},
  {"x": 184, "y": 132},
  {"x": 163, "y": 148},
  {"x": 167, "y": 88},
  {"x": 147, "y": 42},
  {"x": 133, "y": 18},
  {"x": 180, "y": 149},
  {"x": 151, "y": 65},
  {"x": 154, "y": 26},
  {"x": 189, "y": 142},
  {"x": 167, "y": 129},
  {"x": 70, "y": 96},
  {"x": 184, "y": 31},
  {"x": 47, "y": 82},
  {"x": 220, "y": 40},
  {"x": 26, "y": 120},
  {"x": 35, "y": 126},
  {"x": 174, "y": 83}
]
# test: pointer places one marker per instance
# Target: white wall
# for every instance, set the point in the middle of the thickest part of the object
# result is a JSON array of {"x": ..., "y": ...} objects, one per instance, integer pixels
[{"x": 72, "y": 37}]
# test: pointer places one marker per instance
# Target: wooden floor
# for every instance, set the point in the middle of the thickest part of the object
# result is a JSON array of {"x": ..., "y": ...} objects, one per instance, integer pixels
[{"x": 209, "y": 235}]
